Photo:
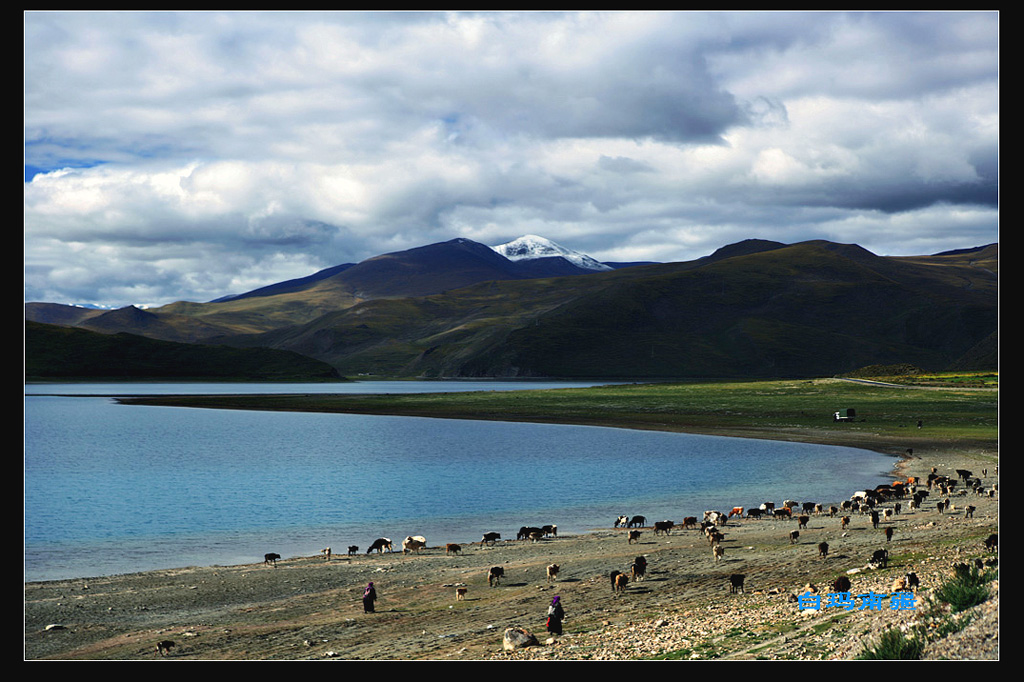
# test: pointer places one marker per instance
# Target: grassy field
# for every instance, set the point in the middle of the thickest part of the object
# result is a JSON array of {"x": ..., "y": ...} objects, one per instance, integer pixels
[{"x": 887, "y": 415}]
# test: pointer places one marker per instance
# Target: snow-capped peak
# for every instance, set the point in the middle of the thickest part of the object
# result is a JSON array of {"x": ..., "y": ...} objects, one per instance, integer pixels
[{"x": 531, "y": 246}]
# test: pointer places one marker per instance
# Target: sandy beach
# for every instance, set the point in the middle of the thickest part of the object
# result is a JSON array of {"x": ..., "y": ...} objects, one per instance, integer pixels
[{"x": 309, "y": 608}]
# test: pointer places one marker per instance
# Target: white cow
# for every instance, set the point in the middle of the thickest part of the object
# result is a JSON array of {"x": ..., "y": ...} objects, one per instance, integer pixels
[{"x": 413, "y": 543}]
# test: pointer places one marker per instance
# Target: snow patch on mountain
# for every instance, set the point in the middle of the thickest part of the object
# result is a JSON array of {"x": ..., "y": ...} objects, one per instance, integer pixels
[{"x": 531, "y": 246}]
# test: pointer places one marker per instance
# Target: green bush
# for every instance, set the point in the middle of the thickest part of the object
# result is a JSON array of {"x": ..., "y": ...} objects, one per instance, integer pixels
[
  {"x": 893, "y": 645},
  {"x": 969, "y": 587}
]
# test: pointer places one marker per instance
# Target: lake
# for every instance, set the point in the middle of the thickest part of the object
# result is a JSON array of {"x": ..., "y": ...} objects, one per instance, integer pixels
[{"x": 115, "y": 488}]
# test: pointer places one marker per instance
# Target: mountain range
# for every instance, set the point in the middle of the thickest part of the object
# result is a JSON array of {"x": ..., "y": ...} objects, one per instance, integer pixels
[{"x": 532, "y": 308}]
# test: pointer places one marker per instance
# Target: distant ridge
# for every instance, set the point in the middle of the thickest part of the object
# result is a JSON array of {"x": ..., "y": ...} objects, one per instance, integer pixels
[
  {"x": 288, "y": 286},
  {"x": 756, "y": 308}
]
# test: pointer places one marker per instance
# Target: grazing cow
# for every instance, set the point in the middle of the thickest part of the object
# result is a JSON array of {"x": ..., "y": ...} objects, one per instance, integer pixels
[
  {"x": 719, "y": 552},
  {"x": 551, "y": 530},
  {"x": 833, "y": 510},
  {"x": 844, "y": 522},
  {"x": 621, "y": 582},
  {"x": 638, "y": 569},
  {"x": 352, "y": 549},
  {"x": 164, "y": 647},
  {"x": 841, "y": 584},
  {"x": 715, "y": 517},
  {"x": 490, "y": 538},
  {"x": 637, "y": 522},
  {"x": 801, "y": 521},
  {"x": 992, "y": 541},
  {"x": 452, "y": 548},
  {"x": 614, "y": 575},
  {"x": 736, "y": 511},
  {"x": 755, "y": 513},
  {"x": 793, "y": 536},
  {"x": 326, "y": 551},
  {"x": 964, "y": 474},
  {"x": 536, "y": 536},
  {"x": 621, "y": 521},
  {"x": 783, "y": 512},
  {"x": 888, "y": 533},
  {"x": 527, "y": 532},
  {"x": 552, "y": 572},
  {"x": 271, "y": 558},
  {"x": 823, "y": 550},
  {"x": 736, "y": 583},
  {"x": 380, "y": 544},
  {"x": 494, "y": 575},
  {"x": 413, "y": 543},
  {"x": 663, "y": 527},
  {"x": 634, "y": 536},
  {"x": 880, "y": 557},
  {"x": 460, "y": 593}
]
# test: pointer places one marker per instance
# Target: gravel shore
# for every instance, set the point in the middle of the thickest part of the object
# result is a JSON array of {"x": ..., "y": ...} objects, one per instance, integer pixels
[{"x": 309, "y": 608}]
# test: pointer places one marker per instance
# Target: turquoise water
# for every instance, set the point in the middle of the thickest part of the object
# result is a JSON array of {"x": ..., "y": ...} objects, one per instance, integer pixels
[{"x": 114, "y": 488}]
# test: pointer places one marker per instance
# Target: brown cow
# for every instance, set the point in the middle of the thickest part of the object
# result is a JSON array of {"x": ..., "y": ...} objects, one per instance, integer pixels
[
  {"x": 638, "y": 569},
  {"x": 621, "y": 581}
]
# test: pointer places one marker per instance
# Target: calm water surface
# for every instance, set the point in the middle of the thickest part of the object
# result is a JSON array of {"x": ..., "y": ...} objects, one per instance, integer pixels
[{"x": 114, "y": 488}]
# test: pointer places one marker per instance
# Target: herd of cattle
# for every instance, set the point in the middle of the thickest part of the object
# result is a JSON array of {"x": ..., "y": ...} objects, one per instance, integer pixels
[{"x": 882, "y": 503}]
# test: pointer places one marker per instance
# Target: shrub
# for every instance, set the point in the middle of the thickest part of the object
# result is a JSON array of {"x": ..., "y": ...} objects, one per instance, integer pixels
[
  {"x": 966, "y": 589},
  {"x": 893, "y": 645}
]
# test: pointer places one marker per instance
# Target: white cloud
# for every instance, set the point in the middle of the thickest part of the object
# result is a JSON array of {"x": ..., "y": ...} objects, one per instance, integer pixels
[{"x": 253, "y": 147}]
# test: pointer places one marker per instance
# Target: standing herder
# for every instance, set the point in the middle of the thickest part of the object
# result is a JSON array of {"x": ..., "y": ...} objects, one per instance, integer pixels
[
  {"x": 369, "y": 596},
  {"x": 555, "y": 615}
]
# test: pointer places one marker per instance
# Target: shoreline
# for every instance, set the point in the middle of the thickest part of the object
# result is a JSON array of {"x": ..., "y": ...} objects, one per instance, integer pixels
[
  {"x": 308, "y": 607},
  {"x": 578, "y": 527}
]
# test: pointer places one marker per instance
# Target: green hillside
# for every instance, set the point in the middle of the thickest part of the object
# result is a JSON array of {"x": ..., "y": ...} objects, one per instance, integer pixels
[
  {"x": 812, "y": 309},
  {"x": 754, "y": 309},
  {"x": 53, "y": 352}
]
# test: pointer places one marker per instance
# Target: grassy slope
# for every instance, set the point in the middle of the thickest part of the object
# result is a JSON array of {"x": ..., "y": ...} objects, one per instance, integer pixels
[
  {"x": 812, "y": 309},
  {"x": 64, "y": 352},
  {"x": 799, "y": 410}
]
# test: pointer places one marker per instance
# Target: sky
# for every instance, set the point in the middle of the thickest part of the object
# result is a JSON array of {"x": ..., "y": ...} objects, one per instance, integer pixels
[{"x": 192, "y": 155}]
